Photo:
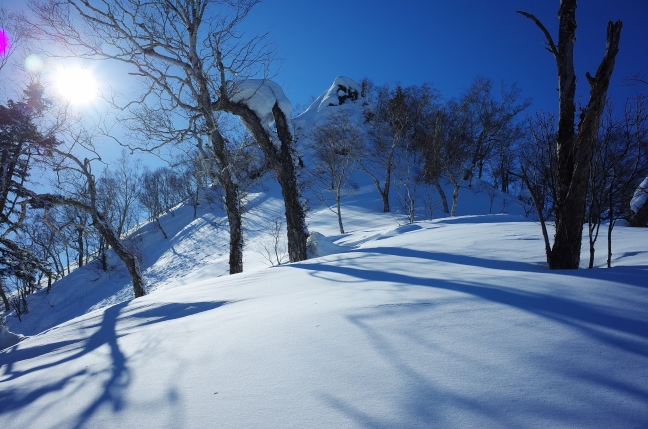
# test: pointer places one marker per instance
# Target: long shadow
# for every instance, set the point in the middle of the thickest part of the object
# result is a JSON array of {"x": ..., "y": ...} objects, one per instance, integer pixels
[
  {"x": 119, "y": 378},
  {"x": 566, "y": 311},
  {"x": 633, "y": 276}
]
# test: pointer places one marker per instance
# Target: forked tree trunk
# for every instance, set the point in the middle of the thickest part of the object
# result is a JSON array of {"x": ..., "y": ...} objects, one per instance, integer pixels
[
  {"x": 574, "y": 149},
  {"x": 282, "y": 164}
]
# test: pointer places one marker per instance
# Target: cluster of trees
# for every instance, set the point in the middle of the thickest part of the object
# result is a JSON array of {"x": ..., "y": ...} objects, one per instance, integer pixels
[
  {"x": 191, "y": 60},
  {"x": 195, "y": 69},
  {"x": 411, "y": 137},
  {"x": 574, "y": 172}
]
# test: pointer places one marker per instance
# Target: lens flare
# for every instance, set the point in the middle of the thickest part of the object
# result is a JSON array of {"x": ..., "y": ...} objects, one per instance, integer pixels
[
  {"x": 5, "y": 43},
  {"x": 33, "y": 63}
]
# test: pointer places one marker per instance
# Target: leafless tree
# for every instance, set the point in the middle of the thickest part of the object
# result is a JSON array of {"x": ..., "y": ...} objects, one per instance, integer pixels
[
  {"x": 335, "y": 147},
  {"x": 171, "y": 47},
  {"x": 490, "y": 122},
  {"x": 574, "y": 148},
  {"x": 619, "y": 163},
  {"x": 85, "y": 199},
  {"x": 538, "y": 168}
]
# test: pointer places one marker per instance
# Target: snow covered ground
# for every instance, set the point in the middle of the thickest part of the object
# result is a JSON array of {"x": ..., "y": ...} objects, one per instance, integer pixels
[{"x": 453, "y": 322}]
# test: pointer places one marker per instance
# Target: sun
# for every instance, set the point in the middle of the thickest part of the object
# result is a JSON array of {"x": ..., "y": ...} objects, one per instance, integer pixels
[{"x": 76, "y": 84}]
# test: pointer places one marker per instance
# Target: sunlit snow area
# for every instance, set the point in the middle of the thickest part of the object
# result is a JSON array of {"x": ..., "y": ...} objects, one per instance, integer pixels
[
  {"x": 447, "y": 322},
  {"x": 453, "y": 322}
]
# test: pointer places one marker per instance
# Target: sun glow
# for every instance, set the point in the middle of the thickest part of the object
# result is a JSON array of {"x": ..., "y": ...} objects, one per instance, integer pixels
[{"x": 76, "y": 84}]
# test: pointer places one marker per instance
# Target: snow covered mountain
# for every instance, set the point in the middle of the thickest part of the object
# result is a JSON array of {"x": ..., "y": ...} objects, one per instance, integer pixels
[{"x": 449, "y": 322}]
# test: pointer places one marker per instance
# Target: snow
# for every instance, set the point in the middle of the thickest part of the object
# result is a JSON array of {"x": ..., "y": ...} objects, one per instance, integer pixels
[
  {"x": 7, "y": 338},
  {"x": 328, "y": 103},
  {"x": 640, "y": 196},
  {"x": 449, "y": 322},
  {"x": 261, "y": 95}
]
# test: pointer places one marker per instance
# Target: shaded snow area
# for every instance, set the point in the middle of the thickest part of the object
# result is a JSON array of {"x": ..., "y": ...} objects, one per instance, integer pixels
[
  {"x": 261, "y": 96},
  {"x": 640, "y": 196}
]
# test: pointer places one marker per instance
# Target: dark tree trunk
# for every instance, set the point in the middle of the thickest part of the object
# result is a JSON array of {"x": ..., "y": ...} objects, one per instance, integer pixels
[
  {"x": 385, "y": 192},
  {"x": 444, "y": 199},
  {"x": 5, "y": 300},
  {"x": 640, "y": 219},
  {"x": 125, "y": 254},
  {"x": 280, "y": 160},
  {"x": 574, "y": 150},
  {"x": 81, "y": 246},
  {"x": 235, "y": 225}
]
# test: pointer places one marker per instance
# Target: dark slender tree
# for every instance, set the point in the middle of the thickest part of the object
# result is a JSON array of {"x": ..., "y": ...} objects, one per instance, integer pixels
[{"x": 574, "y": 142}]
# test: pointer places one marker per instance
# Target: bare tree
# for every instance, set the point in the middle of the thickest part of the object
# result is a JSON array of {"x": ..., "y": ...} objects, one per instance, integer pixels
[
  {"x": 86, "y": 200},
  {"x": 619, "y": 163},
  {"x": 335, "y": 147},
  {"x": 176, "y": 49},
  {"x": 490, "y": 122},
  {"x": 538, "y": 169},
  {"x": 574, "y": 148}
]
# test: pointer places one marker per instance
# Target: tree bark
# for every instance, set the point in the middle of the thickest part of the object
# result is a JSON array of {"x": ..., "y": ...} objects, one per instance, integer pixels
[
  {"x": 444, "y": 199},
  {"x": 640, "y": 219},
  {"x": 574, "y": 150},
  {"x": 455, "y": 199},
  {"x": 338, "y": 204},
  {"x": 280, "y": 160},
  {"x": 5, "y": 300}
]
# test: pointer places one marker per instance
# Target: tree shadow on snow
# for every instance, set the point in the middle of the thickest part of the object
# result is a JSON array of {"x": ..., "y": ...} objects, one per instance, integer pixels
[
  {"x": 119, "y": 375},
  {"x": 426, "y": 404},
  {"x": 594, "y": 321}
]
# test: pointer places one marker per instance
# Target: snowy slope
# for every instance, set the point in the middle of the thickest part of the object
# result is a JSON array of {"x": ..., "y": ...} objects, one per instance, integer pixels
[{"x": 450, "y": 322}]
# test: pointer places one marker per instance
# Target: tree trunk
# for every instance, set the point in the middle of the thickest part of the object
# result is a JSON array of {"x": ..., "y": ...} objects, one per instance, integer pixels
[
  {"x": 574, "y": 150},
  {"x": 232, "y": 205},
  {"x": 444, "y": 199},
  {"x": 81, "y": 246},
  {"x": 282, "y": 164},
  {"x": 127, "y": 256},
  {"x": 5, "y": 300},
  {"x": 455, "y": 198},
  {"x": 339, "y": 213}
]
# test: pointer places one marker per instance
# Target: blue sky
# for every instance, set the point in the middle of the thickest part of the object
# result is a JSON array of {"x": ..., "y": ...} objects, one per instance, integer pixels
[{"x": 446, "y": 43}]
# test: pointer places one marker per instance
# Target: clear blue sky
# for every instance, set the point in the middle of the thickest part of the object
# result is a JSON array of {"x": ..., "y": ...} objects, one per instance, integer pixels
[{"x": 444, "y": 42}]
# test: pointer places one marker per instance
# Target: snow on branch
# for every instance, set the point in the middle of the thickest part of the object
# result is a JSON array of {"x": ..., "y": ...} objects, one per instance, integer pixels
[{"x": 260, "y": 96}]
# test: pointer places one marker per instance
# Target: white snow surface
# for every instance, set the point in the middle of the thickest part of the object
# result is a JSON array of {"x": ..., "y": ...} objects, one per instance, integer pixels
[
  {"x": 8, "y": 339},
  {"x": 328, "y": 103},
  {"x": 260, "y": 95},
  {"x": 449, "y": 323},
  {"x": 640, "y": 196}
]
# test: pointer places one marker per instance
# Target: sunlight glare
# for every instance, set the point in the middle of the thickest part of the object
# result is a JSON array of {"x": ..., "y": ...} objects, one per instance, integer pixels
[{"x": 76, "y": 84}]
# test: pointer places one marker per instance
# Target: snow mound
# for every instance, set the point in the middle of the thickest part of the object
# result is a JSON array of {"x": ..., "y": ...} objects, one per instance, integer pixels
[
  {"x": 320, "y": 245},
  {"x": 345, "y": 94},
  {"x": 341, "y": 90},
  {"x": 260, "y": 96},
  {"x": 640, "y": 196},
  {"x": 7, "y": 338}
]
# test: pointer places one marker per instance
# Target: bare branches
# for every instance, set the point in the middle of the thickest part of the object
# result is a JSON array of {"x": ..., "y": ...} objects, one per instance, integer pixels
[{"x": 551, "y": 46}]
